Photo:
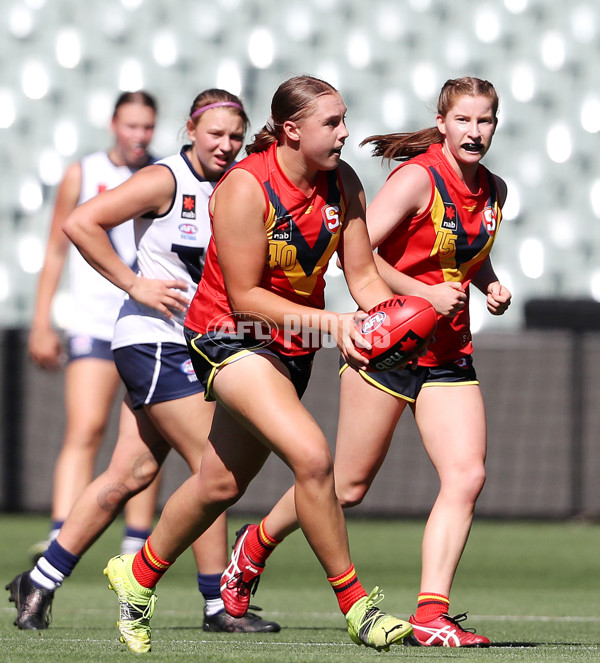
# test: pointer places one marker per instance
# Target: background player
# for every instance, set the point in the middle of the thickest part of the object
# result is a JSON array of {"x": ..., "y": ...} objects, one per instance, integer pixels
[
  {"x": 91, "y": 378},
  {"x": 164, "y": 407},
  {"x": 434, "y": 222}
]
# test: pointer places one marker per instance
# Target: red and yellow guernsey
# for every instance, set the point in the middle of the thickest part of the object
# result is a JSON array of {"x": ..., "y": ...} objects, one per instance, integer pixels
[
  {"x": 449, "y": 241},
  {"x": 303, "y": 232}
]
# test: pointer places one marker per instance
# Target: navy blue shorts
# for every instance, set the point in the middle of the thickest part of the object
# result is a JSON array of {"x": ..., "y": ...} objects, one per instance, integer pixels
[
  {"x": 156, "y": 372},
  {"x": 406, "y": 383},
  {"x": 213, "y": 350},
  {"x": 80, "y": 346}
]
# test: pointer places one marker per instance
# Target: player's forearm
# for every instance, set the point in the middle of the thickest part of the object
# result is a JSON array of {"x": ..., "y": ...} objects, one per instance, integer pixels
[
  {"x": 485, "y": 276},
  {"x": 94, "y": 245},
  {"x": 400, "y": 283}
]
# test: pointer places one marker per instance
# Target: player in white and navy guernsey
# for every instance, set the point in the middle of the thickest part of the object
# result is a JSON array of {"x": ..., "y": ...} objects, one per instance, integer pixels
[
  {"x": 91, "y": 379},
  {"x": 171, "y": 246},
  {"x": 164, "y": 407},
  {"x": 95, "y": 302}
]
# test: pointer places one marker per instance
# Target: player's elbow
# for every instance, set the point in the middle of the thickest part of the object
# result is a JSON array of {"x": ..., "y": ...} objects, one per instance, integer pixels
[{"x": 71, "y": 227}]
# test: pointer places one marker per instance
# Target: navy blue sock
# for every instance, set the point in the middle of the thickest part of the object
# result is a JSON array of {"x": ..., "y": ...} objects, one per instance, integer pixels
[
  {"x": 62, "y": 560},
  {"x": 53, "y": 567},
  {"x": 136, "y": 533},
  {"x": 55, "y": 526},
  {"x": 209, "y": 585}
]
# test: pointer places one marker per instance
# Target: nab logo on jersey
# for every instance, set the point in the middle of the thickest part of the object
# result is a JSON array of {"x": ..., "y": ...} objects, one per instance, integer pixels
[
  {"x": 188, "y": 206},
  {"x": 449, "y": 221},
  {"x": 331, "y": 218},
  {"x": 282, "y": 232}
]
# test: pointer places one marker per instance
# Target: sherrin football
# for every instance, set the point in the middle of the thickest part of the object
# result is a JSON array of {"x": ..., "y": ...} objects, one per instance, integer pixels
[{"x": 399, "y": 330}]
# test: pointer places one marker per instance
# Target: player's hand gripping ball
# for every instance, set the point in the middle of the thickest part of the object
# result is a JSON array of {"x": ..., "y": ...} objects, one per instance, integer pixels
[{"x": 399, "y": 331}]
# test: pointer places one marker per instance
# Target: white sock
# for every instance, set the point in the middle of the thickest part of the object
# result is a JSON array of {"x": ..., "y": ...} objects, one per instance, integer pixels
[
  {"x": 131, "y": 544},
  {"x": 212, "y": 606},
  {"x": 46, "y": 576}
]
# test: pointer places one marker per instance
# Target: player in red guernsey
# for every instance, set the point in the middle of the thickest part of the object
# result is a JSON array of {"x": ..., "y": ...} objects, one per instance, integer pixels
[
  {"x": 303, "y": 232},
  {"x": 277, "y": 219},
  {"x": 434, "y": 222}
]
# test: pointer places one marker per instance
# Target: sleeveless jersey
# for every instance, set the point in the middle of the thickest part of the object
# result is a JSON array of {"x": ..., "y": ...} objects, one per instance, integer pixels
[
  {"x": 96, "y": 301},
  {"x": 449, "y": 241},
  {"x": 171, "y": 246},
  {"x": 302, "y": 232}
]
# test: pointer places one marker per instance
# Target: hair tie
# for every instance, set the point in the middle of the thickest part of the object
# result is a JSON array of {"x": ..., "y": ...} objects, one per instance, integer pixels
[{"x": 217, "y": 104}]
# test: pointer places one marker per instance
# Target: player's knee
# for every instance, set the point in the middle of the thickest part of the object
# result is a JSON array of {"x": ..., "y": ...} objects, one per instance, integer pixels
[
  {"x": 468, "y": 483},
  {"x": 475, "y": 480},
  {"x": 132, "y": 478},
  {"x": 144, "y": 470},
  {"x": 315, "y": 466},
  {"x": 84, "y": 438},
  {"x": 351, "y": 495},
  {"x": 222, "y": 490}
]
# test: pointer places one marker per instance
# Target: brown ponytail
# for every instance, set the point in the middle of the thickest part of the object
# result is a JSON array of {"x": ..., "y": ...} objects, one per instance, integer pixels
[
  {"x": 292, "y": 100},
  {"x": 403, "y": 146}
]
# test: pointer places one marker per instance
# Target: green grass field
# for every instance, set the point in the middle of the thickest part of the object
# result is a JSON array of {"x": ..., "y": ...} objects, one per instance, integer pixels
[{"x": 533, "y": 588}]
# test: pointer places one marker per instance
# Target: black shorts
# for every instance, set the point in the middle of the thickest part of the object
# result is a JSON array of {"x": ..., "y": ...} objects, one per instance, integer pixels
[
  {"x": 156, "y": 372},
  {"x": 406, "y": 383},
  {"x": 213, "y": 350}
]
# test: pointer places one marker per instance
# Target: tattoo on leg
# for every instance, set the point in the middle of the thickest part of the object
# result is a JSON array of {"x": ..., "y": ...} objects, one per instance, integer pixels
[{"x": 112, "y": 497}]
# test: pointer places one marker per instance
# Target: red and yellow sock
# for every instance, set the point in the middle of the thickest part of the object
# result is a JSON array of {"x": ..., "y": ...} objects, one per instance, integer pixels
[
  {"x": 431, "y": 606},
  {"x": 259, "y": 545},
  {"x": 148, "y": 568},
  {"x": 347, "y": 589}
]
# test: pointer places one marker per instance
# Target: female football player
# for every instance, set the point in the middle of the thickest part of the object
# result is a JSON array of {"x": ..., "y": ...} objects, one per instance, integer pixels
[
  {"x": 433, "y": 222},
  {"x": 164, "y": 407},
  {"x": 91, "y": 378},
  {"x": 278, "y": 216}
]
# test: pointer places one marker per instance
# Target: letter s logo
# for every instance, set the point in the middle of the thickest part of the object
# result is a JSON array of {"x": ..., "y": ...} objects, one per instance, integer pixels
[
  {"x": 331, "y": 218},
  {"x": 489, "y": 221}
]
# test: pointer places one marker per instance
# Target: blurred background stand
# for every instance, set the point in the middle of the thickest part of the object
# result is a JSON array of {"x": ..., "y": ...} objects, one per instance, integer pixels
[{"x": 577, "y": 316}]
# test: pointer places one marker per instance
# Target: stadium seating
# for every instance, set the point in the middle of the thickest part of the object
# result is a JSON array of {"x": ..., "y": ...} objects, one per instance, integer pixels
[{"x": 389, "y": 61}]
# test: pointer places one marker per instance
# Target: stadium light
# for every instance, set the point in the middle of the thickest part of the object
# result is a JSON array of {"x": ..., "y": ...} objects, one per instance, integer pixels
[
  {"x": 50, "y": 167},
  {"x": 553, "y": 50},
  {"x": 34, "y": 80},
  {"x": 590, "y": 114},
  {"x": 20, "y": 22},
  {"x": 130, "y": 75},
  {"x": 522, "y": 83},
  {"x": 358, "y": 50},
  {"x": 30, "y": 253},
  {"x": 30, "y": 195},
  {"x": 229, "y": 76},
  {"x": 261, "y": 48},
  {"x": 68, "y": 48},
  {"x": 8, "y": 112},
  {"x": 531, "y": 257},
  {"x": 66, "y": 137},
  {"x": 558, "y": 143},
  {"x": 164, "y": 48}
]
